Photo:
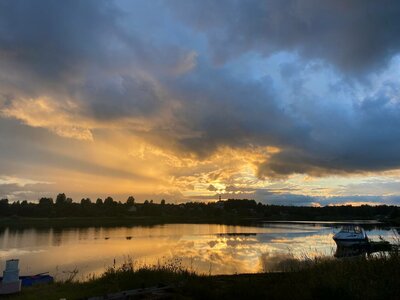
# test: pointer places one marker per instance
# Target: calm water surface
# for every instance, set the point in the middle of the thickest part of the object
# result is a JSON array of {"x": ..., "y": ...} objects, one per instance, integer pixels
[{"x": 205, "y": 248}]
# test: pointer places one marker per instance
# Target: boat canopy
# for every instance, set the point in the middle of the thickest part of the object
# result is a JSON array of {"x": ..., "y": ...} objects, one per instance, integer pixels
[{"x": 352, "y": 228}]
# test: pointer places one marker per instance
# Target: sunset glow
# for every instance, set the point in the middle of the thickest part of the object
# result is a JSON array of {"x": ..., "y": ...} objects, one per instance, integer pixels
[{"x": 192, "y": 100}]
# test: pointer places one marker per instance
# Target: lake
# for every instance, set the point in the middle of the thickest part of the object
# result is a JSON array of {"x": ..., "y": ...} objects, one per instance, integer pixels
[{"x": 203, "y": 248}]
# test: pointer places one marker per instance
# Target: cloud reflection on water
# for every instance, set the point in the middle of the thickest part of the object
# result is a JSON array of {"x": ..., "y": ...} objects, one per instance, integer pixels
[{"x": 216, "y": 249}]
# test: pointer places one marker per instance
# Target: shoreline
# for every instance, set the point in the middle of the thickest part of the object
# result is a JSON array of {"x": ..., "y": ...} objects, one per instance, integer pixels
[{"x": 71, "y": 222}]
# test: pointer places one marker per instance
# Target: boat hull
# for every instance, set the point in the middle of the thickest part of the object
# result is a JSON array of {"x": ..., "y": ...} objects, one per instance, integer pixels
[
  {"x": 10, "y": 287},
  {"x": 34, "y": 279},
  {"x": 351, "y": 242}
]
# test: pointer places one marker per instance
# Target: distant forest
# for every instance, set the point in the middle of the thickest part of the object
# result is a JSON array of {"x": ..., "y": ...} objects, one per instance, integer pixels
[{"x": 230, "y": 209}]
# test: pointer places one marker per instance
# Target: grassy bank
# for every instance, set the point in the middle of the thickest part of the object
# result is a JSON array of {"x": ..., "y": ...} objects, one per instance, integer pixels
[{"x": 360, "y": 278}]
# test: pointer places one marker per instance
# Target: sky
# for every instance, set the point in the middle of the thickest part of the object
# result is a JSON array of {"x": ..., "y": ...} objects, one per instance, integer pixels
[{"x": 286, "y": 102}]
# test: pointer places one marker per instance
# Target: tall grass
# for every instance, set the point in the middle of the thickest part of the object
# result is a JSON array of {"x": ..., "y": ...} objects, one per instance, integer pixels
[{"x": 373, "y": 277}]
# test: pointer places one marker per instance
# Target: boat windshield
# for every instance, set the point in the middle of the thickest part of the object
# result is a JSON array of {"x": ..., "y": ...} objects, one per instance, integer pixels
[{"x": 355, "y": 229}]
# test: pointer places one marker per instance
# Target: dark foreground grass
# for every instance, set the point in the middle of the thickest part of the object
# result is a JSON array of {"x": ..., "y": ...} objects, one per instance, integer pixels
[{"x": 361, "y": 278}]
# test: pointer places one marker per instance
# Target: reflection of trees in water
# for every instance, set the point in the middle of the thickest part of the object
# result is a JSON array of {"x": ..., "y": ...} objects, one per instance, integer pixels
[
  {"x": 57, "y": 237},
  {"x": 237, "y": 234}
]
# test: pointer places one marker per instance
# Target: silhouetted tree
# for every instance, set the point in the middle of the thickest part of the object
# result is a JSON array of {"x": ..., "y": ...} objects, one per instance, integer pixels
[
  {"x": 46, "y": 201},
  {"x": 130, "y": 201},
  {"x": 61, "y": 199},
  {"x": 109, "y": 201},
  {"x": 228, "y": 208},
  {"x": 3, "y": 205},
  {"x": 86, "y": 201}
]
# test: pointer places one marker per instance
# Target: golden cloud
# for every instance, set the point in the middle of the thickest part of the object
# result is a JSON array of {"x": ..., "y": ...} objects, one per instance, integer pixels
[{"x": 55, "y": 116}]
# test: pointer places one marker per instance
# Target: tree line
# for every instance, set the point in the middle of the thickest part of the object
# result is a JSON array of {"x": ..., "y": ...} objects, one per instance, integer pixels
[{"x": 64, "y": 206}]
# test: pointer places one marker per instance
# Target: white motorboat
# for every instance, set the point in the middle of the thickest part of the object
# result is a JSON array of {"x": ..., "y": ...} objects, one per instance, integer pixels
[
  {"x": 351, "y": 235},
  {"x": 10, "y": 283}
]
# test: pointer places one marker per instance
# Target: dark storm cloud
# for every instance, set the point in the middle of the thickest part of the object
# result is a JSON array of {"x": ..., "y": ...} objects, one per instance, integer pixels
[
  {"x": 287, "y": 197},
  {"x": 53, "y": 39},
  {"x": 316, "y": 136},
  {"x": 356, "y": 37},
  {"x": 227, "y": 111},
  {"x": 121, "y": 96},
  {"x": 267, "y": 197},
  {"x": 366, "y": 142},
  {"x": 80, "y": 50},
  {"x": 353, "y": 35},
  {"x": 114, "y": 67}
]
